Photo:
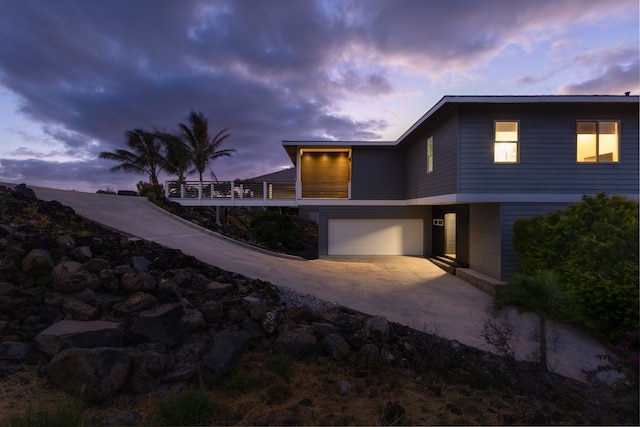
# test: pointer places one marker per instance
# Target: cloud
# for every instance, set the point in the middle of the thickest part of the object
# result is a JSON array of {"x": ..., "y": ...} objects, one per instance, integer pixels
[
  {"x": 87, "y": 71},
  {"x": 615, "y": 79}
]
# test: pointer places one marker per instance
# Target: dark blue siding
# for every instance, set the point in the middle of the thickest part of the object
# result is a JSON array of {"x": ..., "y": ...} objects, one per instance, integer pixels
[
  {"x": 547, "y": 150},
  {"x": 377, "y": 173},
  {"x": 443, "y": 179},
  {"x": 484, "y": 238}
]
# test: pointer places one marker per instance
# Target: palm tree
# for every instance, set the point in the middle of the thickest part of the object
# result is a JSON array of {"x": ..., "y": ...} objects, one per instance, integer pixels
[
  {"x": 178, "y": 158},
  {"x": 144, "y": 157},
  {"x": 539, "y": 294},
  {"x": 203, "y": 147}
]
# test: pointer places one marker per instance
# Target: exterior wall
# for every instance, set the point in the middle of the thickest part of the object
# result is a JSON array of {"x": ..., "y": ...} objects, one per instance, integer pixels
[
  {"x": 485, "y": 238},
  {"x": 327, "y": 212},
  {"x": 443, "y": 179},
  {"x": 377, "y": 173},
  {"x": 547, "y": 150},
  {"x": 511, "y": 212},
  {"x": 325, "y": 175}
]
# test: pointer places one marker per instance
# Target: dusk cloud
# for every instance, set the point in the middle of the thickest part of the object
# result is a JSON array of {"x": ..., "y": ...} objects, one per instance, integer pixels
[{"x": 85, "y": 72}]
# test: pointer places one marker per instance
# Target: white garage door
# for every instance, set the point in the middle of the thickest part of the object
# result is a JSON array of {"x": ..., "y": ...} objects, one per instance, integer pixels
[{"x": 375, "y": 237}]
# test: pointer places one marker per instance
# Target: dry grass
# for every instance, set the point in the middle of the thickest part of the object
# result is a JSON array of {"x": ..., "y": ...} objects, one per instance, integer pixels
[{"x": 310, "y": 395}]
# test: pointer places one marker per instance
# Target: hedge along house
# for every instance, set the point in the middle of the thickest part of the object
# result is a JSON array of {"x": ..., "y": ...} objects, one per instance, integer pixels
[{"x": 453, "y": 184}]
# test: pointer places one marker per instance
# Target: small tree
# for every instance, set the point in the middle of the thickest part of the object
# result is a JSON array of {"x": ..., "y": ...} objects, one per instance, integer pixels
[
  {"x": 540, "y": 294},
  {"x": 203, "y": 147},
  {"x": 178, "y": 158},
  {"x": 144, "y": 155}
]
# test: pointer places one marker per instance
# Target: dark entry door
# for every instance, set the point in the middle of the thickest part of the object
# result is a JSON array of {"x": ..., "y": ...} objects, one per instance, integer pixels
[{"x": 450, "y": 232}]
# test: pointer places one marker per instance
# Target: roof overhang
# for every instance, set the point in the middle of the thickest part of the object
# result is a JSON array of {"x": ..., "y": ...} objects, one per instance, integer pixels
[
  {"x": 447, "y": 102},
  {"x": 292, "y": 147}
]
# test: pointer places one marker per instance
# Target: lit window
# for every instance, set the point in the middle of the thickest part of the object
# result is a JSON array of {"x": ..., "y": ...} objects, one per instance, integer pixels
[
  {"x": 430, "y": 154},
  {"x": 597, "y": 142},
  {"x": 505, "y": 149}
]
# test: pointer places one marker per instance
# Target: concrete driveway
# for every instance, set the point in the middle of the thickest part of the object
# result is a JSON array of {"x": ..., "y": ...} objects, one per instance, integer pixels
[{"x": 408, "y": 290}]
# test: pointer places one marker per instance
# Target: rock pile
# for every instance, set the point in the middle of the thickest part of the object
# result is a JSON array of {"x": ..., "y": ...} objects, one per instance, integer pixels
[{"x": 102, "y": 314}]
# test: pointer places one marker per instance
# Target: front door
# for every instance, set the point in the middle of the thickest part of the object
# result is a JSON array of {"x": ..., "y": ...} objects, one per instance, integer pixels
[
  {"x": 450, "y": 232},
  {"x": 450, "y": 235}
]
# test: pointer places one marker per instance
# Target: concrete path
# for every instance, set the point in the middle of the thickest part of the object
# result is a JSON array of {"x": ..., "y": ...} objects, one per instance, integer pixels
[{"x": 408, "y": 290}]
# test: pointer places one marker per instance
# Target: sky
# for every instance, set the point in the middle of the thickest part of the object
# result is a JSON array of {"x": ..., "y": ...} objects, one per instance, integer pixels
[{"x": 75, "y": 75}]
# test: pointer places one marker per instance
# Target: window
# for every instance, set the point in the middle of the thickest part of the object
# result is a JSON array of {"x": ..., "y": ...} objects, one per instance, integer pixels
[
  {"x": 505, "y": 149},
  {"x": 430, "y": 154},
  {"x": 597, "y": 142}
]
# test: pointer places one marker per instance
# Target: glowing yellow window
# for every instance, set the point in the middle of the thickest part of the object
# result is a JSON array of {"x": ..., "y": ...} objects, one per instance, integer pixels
[
  {"x": 597, "y": 142},
  {"x": 505, "y": 148},
  {"x": 430, "y": 154}
]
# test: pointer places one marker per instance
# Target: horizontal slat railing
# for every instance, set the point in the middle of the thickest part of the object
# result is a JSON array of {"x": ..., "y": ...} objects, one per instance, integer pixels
[
  {"x": 229, "y": 190},
  {"x": 325, "y": 190}
]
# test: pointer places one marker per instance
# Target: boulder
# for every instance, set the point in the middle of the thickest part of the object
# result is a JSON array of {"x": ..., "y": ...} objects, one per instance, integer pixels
[
  {"x": 38, "y": 263},
  {"x": 140, "y": 264},
  {"x": 64, "y": 269},
  {"x": 81, "y": 254},
  {"x": 65, "y": 242},
  {"x": 212, "y": 311},
  {"x": 227, "y": 349},
  {"x": 217, "y": 288},
  {"x": 80, "y": 310},
  {"x": 95, "y": 265},
  {"x": 377, "y": 328},
  {"x": 167, "y": 324},
  {"x": 18, "y": 351},
  {"x": 91, "y": 373},
  {"x": 147, "y": 369},
  {"x": 298, "y": 343},
  {"x": 131, "y": 282},
  {"x": 336, "y": 346},
  {"x": 135, "y": 303},
  {"x": 168, "y": 291},
  {"x": 369, "y": 355},
  {"x": 109, "y": 279},
  {"x": 76, "y": 333},
  {"x": 149, "y": 283},
  {"x": 25, "y": 192},
  {"x": 77, "y": 281}
]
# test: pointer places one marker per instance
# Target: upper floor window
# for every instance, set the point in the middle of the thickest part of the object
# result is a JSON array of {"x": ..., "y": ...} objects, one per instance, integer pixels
[
  {"x": 430, "y": 154},
  {"x": 505, "y": 148},
  {"x": 597, "y": 142}
]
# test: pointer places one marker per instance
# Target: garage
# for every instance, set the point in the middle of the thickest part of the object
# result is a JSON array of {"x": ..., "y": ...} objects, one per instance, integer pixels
[{"x": 376, "y": 237}]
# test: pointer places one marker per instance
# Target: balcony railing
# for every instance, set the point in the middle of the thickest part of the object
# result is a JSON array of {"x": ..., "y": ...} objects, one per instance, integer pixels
[
  {"x": 325, "y": 189},
  {"x": 229, "y": 190}
]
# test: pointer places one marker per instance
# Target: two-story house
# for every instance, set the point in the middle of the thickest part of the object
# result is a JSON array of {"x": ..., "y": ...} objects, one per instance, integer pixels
[{"x": 453, "y": 184}]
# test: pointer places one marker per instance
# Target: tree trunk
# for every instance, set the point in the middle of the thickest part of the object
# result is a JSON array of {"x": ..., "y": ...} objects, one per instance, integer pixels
[{"x": 543, "y": 344}]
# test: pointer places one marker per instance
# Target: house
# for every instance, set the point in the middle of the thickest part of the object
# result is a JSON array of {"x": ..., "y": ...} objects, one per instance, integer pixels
[{"x": 453, "y": 184}]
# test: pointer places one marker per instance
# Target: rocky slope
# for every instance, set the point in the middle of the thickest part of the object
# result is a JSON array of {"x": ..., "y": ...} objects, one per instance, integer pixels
[{"x": 103, "y": 317}]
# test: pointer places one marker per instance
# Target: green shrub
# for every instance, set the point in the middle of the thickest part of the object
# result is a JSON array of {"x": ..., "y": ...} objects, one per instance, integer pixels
[
  {"x": 152, "y": 192},
  {"x": 189, "y": 407},
  {"x": 275, "y": 229},
  {"x": 239, "y": 383},
  {"x": 280, "y": 364},
  {"x": 63, "y": 415},
  {"x": 593, "y": 246}
]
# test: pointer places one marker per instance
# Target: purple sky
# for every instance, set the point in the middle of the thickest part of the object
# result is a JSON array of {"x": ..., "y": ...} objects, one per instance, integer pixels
[{"x": 75, "y": 75}]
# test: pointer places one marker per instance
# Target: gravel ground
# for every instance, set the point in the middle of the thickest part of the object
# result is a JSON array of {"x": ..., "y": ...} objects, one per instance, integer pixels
[{"x": 296, "y": 299}]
